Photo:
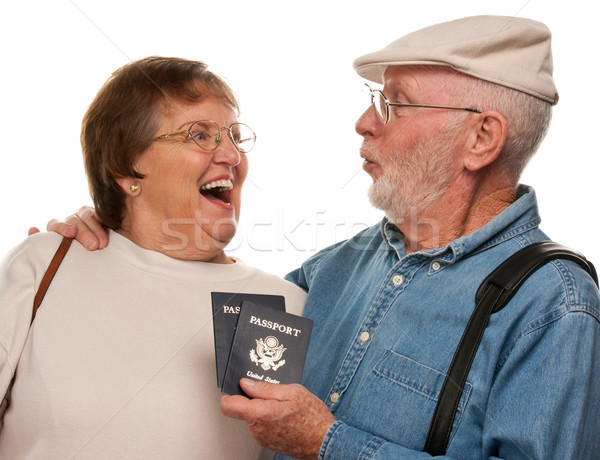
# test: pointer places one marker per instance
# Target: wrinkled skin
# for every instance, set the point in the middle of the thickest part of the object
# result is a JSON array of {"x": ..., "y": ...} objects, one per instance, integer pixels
[{"x": 285, "y": 418}]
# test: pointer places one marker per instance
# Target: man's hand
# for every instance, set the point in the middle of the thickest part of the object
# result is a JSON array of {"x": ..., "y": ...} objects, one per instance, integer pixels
[
  {"x": 84, "y": 225},
  {"x": 285, "y": 418}
]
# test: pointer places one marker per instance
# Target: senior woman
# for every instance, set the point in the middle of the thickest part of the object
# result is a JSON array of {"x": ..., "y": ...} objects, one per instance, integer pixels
[{"x": 119, "y": 362}]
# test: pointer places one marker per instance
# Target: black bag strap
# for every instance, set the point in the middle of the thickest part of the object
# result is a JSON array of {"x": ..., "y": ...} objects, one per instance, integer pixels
[{"x": 493, "y": 294}]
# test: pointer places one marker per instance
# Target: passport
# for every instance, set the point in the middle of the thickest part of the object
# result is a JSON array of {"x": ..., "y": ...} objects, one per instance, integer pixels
[
  {"x": 268, "y": 345},
  {"x": 226, "y": 308}
]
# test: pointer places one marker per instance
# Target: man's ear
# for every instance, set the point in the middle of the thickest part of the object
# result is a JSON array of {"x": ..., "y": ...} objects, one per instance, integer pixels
[{"x": 486, "y": 140}]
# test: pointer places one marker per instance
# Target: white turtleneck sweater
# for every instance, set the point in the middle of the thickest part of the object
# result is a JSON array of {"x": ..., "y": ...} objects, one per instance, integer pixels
[{"x": 119, "y": 362}]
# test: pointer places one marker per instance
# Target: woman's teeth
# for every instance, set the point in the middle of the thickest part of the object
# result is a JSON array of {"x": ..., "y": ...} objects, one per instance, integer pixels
[
  {"x": 223, "y": 184},
  {"x": 218, "y": 189}
]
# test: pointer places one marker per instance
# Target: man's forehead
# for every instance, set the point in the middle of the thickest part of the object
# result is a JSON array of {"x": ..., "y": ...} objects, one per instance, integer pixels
[{"x": 410, "y": 78}]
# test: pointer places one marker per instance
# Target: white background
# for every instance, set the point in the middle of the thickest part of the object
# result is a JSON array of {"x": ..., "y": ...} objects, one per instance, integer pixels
[{"x": 290, "y": 65}]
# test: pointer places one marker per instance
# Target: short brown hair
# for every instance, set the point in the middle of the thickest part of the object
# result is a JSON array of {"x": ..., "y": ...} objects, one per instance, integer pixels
[{"x": 122, "y": 120}]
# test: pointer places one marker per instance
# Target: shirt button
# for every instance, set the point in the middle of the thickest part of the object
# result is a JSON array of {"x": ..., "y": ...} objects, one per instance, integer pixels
[
  {"x": 397, "y": 280},
  {"x": 435, "y": 266},
  {"x": 364, "y": 336},
  {"x": 334, "y": 397}
]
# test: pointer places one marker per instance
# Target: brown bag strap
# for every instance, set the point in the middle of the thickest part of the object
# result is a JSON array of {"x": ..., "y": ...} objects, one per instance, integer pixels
[
  {"x": 50, "y": 272},
  {"x": 46, "y": 280}
]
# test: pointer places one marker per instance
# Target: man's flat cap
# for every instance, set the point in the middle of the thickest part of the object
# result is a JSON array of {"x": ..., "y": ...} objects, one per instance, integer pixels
[{"x": 510, "y": 51}]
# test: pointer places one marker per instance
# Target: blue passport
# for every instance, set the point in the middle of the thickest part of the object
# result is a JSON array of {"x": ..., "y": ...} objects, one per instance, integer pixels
[
  {"x": 226, "y": 308},
  {"x": 268, "y": 345}
]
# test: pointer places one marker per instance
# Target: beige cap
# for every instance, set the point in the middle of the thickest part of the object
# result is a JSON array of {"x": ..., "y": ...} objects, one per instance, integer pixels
[{"x": 509, "y": 51}]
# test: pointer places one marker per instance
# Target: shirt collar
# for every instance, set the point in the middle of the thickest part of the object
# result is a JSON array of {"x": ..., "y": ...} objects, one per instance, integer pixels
[{"x": 519, "y": 217}]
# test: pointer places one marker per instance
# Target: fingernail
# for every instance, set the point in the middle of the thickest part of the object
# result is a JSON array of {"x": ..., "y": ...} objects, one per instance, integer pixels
[
  {"x": 248, "y": 382},
  {"x": 90, "y": 244}
]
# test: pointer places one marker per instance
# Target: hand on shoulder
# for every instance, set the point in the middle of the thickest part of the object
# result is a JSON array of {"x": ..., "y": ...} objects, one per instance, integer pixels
[{"x": 84, "y": 226}]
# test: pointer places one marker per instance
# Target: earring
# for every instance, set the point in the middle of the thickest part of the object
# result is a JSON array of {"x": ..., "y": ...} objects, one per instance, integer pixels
[{"x": 134, "y": 188}]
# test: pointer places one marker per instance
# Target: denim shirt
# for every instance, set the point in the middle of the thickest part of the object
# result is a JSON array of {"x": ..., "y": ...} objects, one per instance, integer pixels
[{"x": 386, "y": 325}]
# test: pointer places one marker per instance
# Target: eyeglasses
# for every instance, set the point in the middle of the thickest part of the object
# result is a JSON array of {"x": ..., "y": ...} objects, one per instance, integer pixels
[
  {"x": 206, "y": 134},
  {"x": 382, "y": 105}
]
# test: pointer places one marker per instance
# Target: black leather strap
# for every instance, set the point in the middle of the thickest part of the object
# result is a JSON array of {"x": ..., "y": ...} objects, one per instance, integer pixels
[{"x": 493, "y": 294}]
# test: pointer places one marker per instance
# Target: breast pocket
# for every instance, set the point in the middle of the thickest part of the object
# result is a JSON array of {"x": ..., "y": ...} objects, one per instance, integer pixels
[{"x": 396, "y": 401}]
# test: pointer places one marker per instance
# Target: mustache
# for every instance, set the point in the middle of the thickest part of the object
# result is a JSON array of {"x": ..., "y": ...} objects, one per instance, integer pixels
[{"x": 369, "y": 153}]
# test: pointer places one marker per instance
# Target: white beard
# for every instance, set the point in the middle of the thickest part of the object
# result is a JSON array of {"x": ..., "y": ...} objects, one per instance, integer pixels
[{"x": 419, "y": 176}]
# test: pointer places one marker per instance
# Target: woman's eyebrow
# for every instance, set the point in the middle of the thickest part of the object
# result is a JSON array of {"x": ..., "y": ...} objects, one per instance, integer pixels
[{"x": 185, "y": 125}]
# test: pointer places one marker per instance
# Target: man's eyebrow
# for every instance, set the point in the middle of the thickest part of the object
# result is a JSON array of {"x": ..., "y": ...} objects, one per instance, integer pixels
[
  {"x": 398, "y": 90},
  {"x": 398, "y": 95}
]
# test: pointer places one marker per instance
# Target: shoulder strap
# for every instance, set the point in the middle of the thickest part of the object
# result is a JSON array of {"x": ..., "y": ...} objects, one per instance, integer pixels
[
  {"x": 50, "y": 272},
  {"x": 493, "y": 294}
]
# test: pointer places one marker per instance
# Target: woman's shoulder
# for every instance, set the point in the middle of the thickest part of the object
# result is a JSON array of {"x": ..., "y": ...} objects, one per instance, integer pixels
[
  {"x": 268, "y": 283},
  {"x": 35, "y": 249}
]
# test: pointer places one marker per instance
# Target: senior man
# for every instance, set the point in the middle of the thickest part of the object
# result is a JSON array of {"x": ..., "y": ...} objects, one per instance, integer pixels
[{"x": 464, "y": 106}]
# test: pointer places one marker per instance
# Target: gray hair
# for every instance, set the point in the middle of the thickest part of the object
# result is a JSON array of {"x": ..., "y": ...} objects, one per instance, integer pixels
[{"x": 527, "y": 116}]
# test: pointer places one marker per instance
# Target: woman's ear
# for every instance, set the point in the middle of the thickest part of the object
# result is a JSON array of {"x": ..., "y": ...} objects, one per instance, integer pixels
[
  {"x": 486, "y": 140},
  {"x": 130, "y": 185}
]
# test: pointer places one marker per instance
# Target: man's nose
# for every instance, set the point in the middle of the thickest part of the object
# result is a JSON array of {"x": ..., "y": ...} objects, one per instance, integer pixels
[{"x": 368, "y": 125}]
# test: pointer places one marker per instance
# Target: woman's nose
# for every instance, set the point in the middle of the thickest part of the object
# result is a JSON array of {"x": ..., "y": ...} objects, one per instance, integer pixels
[{"x": 227, "y": 152}]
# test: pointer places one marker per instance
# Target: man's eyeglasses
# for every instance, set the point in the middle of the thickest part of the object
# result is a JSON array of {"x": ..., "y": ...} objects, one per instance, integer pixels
[
  {"x": 382, "y": 105},
  {"x": 206, "y": 134}
]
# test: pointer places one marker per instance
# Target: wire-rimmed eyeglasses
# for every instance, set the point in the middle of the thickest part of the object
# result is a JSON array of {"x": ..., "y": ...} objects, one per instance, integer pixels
[
  {"x": 206, "y": 134},
  {"x": 382, "y": 105}
]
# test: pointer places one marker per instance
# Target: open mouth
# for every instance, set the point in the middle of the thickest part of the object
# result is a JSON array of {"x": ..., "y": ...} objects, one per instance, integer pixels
[{"x": 218, "y": 190}]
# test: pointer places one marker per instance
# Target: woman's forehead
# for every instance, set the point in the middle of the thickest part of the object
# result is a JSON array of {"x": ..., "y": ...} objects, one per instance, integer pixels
[{"x": 180, "y": 114}]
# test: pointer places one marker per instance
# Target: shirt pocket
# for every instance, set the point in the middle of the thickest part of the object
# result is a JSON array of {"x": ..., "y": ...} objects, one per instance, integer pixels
[{"x": 397, "y": 399}]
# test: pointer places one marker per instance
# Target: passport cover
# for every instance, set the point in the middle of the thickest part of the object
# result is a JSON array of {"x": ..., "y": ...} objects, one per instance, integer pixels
[
  {"x": 226, "y": 308},
  {"x": 268, "y": 345}
]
